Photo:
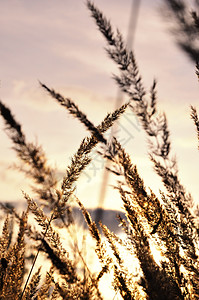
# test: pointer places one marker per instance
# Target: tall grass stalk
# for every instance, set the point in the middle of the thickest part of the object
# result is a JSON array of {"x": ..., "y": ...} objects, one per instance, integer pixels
[{"x": 165, "y": 224}]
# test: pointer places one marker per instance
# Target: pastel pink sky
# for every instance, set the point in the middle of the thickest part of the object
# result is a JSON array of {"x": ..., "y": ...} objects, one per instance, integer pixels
[{"x": 58, "y": 43}]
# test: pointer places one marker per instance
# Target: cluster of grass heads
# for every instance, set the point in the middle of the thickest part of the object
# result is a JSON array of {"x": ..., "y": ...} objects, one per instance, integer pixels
[{"x": 167, "y": 223}]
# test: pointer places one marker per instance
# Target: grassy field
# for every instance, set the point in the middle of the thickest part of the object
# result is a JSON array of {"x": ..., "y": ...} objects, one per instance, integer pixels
[{"x": 46, "y": 254}]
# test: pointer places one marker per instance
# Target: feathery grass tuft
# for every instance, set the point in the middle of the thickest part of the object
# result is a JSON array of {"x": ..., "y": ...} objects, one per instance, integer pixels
[{"x": 156, "y": 257}]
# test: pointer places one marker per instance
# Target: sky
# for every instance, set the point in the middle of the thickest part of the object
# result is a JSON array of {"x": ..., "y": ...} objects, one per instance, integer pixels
[{"x": 57, "y": 43}]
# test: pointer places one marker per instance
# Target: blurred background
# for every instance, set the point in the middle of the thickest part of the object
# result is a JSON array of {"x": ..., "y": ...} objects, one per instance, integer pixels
[{"x": 58, "y": 43}]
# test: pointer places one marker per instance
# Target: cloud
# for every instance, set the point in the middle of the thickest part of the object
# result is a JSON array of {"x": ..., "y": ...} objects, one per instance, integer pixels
[
  {"x": 32, "y": 96},
  {"x": 59, "y": 44}
]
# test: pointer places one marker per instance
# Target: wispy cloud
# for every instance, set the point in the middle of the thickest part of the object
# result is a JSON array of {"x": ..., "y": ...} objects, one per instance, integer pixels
[{"x": 58, "y": 43}]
